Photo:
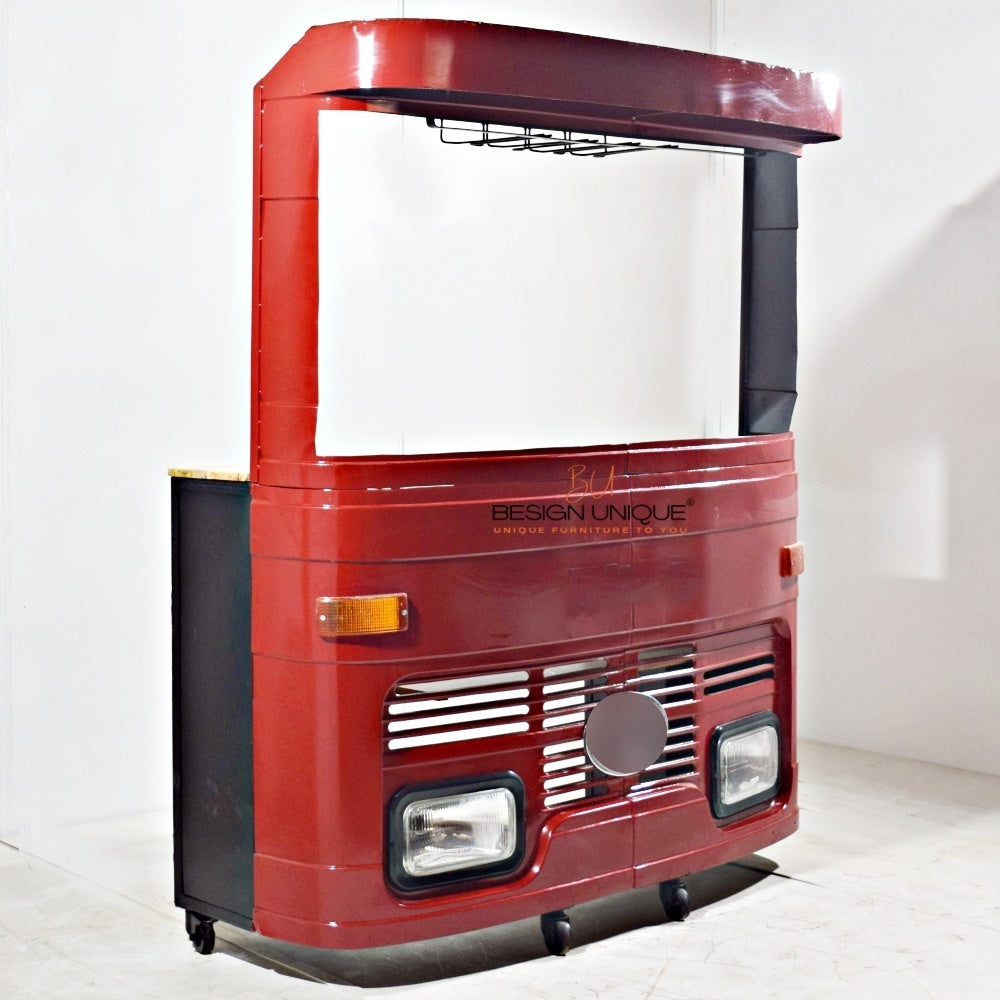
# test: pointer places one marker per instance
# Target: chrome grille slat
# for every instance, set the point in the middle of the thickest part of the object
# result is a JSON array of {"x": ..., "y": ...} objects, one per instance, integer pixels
[
  {"x": 658, "y": 772},
  {"x": 595, "y": 665},
  {"x": 555, "y": 722},
  {"x": 561, "y": 763},
  {"x": 413, "y": 707},
  {"x": 498, "y": 679},
  {"x": 681, "y": 745},
  {"x": 440, "y": 737},
  {"x": 458, "y": 718},
  {"x": 565, "y": 798},
  {"x": 573, "y": 701},
  {"x": 560, "y": 780},
  {"x": 555, "y": 749}
]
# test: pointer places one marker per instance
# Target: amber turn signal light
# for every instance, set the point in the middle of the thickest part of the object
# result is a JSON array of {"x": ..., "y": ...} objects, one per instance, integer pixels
[
  {"x": 370, "y": 615},
  {"x": 793, "y": 559}
]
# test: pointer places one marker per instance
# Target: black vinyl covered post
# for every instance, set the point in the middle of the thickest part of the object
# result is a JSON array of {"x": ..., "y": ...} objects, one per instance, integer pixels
[{"x": 768, "y": 324}]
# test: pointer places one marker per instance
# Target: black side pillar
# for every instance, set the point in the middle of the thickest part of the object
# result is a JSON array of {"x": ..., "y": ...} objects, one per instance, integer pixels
[
  {"x": 212, "y": 709},
  {"x": 768, "y": 324}
]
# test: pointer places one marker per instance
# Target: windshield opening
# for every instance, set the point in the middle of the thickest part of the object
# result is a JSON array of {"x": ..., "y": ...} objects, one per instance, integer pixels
[{"x": 476, "y": 299}]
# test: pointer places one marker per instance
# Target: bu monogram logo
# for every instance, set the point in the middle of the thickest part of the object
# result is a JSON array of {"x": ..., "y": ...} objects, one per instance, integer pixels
[{"x": 582, "y": 484}]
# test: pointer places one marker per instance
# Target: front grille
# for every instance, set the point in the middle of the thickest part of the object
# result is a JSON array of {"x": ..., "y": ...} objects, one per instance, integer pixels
[
  {"x": 434, "y": 712},
  {"x": 734, "y": 675},
  {"x": 668, "y": 675},
  {"x": 541, "y": 710},
  {"x": 568, "y": 692}
]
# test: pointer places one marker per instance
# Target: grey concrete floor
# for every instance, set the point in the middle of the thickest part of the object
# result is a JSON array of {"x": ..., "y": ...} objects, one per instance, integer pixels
[{"x": 888, "y": 890}]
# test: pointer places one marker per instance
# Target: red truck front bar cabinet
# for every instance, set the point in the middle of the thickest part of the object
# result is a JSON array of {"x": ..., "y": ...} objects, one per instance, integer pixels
[{"x": 393, "y": 724}]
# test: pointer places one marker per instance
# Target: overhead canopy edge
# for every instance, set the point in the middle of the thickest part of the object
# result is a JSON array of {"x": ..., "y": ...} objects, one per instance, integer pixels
[{"x": 510, "y": 75}]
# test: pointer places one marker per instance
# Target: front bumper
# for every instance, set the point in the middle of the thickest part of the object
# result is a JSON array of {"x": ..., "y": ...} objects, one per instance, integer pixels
[{"x": 582, "y": 855}]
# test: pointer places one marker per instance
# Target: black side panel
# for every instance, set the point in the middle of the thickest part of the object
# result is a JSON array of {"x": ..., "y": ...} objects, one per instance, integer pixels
[
  {"x": 768, "y": 325},
  {"x": 213, "y": 751}
]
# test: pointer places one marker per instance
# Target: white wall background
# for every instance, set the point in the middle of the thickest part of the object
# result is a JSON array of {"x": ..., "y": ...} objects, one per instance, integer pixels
[
  {"x": 124, "y": 325},
  {"x": 898, "y": 423}
]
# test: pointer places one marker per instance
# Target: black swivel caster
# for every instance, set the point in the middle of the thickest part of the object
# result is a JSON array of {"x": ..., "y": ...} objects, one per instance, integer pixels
[
  {"x": 201, "y": 931},
  {"x": 675, "y": 899},
  {"x": 557, "y": 932}
]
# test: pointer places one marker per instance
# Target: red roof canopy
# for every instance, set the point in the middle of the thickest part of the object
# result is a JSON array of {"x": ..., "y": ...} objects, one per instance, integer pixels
[{"x": 523, "y": 76}]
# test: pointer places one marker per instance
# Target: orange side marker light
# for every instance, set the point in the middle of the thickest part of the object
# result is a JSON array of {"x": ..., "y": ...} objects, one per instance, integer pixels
[
  {"x": 369, "y": 615},
  {"x": 793, "y": 559}
]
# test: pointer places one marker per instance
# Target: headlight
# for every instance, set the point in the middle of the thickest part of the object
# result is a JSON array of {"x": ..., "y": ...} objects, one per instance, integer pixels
[
  {"x": 443, "y": 834},
  {"x": 746, "y": 764}
]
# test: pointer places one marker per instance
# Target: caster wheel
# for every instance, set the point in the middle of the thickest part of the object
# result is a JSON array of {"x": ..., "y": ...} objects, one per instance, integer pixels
[
  {"x": 201, "y": 931},
  {"x": 557, "y": 932},
  {"x": 675, "y": 900}
]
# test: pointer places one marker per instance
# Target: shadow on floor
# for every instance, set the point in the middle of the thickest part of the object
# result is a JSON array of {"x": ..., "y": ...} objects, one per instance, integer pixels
[{"x": 487, "y": 949}]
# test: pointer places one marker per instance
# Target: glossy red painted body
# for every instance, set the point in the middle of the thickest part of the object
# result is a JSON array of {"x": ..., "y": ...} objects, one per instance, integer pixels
[
  {"x": 667, "y": 579},
  {"x": 487, "y": 600}
]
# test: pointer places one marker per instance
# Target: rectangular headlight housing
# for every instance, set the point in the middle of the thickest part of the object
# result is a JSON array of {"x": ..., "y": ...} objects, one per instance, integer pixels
[
  {"x": 454, "y": 833},
  {"x": 746, "y": 764}
]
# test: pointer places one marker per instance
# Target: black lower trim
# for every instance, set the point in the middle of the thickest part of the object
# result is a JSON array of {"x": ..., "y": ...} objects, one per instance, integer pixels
[{"x": 213, "y": 912}]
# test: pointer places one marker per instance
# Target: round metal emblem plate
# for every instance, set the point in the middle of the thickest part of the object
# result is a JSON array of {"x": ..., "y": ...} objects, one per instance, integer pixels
[{"x": 625, "y": 733}]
